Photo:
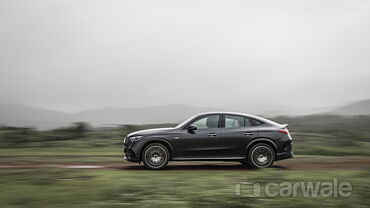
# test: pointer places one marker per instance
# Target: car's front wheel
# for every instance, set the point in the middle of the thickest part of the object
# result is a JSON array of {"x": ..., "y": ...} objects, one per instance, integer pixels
[
  {"x": 155, "y": 156},
  {"x": 261, "y": 155}
]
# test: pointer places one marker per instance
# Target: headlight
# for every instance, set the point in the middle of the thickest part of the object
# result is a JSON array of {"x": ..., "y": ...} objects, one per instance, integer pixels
[{"x": 135, "y": 138}]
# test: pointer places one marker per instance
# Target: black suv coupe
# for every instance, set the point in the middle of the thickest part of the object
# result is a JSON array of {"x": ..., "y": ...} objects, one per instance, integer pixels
[{"x": 224, "y": 136}]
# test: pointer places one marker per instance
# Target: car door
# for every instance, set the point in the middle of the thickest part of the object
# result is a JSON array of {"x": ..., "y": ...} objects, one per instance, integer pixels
[
  {"x": 236, "y": 133},
  {"x": 203, "y": 142}
]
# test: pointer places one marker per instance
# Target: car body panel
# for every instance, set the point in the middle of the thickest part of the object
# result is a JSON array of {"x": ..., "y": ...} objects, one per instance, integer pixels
[
  {"x": 200, "y": 143},
  {"x": 234, "y": 140}
]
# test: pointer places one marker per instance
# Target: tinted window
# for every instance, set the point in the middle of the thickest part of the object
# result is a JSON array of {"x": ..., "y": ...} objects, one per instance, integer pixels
[
  {"x": 252, "y": 122},
  {"x": 233, "y": 121},
  {"x": 248, "y": 122},
  {"x": 206, "y": 122},
  {"x": 256, "y": 122}
]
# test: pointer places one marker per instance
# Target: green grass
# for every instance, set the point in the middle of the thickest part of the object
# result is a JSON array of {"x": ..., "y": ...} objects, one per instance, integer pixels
[
  {"x": 188, "y": 188},
  {"x": 68, "y": 151}
]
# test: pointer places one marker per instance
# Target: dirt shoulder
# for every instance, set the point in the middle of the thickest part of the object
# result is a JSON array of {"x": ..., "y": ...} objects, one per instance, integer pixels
[{"x": 306, "y": 164}]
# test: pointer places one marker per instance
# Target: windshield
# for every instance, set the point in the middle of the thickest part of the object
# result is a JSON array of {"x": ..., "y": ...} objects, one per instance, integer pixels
[{"x": 186, "y": 121}]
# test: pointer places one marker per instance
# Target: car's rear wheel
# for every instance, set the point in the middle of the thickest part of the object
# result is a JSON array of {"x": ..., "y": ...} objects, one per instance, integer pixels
[
  {"x": 155, "y": 156},
  {"x": 261, "y": 156}
]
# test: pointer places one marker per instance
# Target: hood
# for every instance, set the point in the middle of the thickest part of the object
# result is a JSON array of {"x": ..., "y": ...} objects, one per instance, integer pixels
[{"x": 150, "y": 131}]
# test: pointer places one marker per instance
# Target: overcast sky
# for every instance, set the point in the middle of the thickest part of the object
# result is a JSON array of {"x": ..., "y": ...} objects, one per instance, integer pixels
[{"x": 74, "y": 55}]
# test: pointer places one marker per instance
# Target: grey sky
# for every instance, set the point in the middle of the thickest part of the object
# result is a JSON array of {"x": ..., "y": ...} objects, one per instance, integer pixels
[{"x": 73, "y": 55}]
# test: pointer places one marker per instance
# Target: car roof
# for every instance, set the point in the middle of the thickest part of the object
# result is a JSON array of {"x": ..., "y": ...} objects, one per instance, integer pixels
[{"x": 264, "y": 120}]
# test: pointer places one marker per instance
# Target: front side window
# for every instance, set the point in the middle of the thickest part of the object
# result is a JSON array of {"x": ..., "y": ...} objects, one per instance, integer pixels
[
  {"x": 206, "y": 122},
  {"x": 234, "y": 121}
]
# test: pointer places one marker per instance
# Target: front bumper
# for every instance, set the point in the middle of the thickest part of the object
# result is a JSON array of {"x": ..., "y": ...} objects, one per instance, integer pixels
[
  {"x": 130, "y": 155},
  {"x": 130, "y": 151}
]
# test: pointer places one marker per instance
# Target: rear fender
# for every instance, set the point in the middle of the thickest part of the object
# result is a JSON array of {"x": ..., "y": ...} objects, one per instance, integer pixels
[{"x": 261, "y": 140}]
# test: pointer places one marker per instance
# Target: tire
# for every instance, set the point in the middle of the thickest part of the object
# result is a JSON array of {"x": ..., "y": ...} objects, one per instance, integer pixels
[
  {"x": 155, "y": 156},
  {"x": 261, "y": 156}
]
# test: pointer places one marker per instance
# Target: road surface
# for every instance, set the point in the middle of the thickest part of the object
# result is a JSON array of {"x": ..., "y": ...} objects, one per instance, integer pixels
[{"x": 125, "y": 166}]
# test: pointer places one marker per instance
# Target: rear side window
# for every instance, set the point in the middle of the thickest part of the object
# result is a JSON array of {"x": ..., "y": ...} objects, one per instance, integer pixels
[
  {"x": 248, "y": 122},
  {"x": 252, "y": 122},
  {"x": 256, "y": 122},
  {"x": 234, "y": 121}
]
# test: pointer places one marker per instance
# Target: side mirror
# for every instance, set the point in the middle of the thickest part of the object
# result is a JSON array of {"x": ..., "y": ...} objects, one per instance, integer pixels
[{"x": 192, "y": 128}]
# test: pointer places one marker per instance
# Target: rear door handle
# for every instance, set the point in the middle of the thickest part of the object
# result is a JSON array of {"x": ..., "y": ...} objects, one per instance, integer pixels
[
  {"x": 248, "y": 133},
  {"x": 212, "y": 134}
]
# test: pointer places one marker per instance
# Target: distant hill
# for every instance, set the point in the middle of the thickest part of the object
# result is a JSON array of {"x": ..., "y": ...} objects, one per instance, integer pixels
[
  {"x": 140, "y": 115},
  {"x": 267, "y": 109},
  {"x": 22, "y": 115},
  {"x": 356, "y": 108}
]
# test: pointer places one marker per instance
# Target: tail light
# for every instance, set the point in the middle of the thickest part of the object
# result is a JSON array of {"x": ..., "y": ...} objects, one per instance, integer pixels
[{"x": 284, "y": 131}]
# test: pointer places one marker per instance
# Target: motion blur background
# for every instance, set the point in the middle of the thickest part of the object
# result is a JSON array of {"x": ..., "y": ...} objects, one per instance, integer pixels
[{"x": 77, "y": 76}]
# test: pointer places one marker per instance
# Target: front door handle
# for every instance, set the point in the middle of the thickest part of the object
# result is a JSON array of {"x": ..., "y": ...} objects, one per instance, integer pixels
[
  {"x": 212, "y": 134},
  {"x": 248, "y": 133}
]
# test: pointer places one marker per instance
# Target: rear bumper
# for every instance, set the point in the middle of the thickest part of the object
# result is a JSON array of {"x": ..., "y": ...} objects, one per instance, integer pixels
[
  {"x": 287, "y": 152},
  {"x": 284, "y": 155}
]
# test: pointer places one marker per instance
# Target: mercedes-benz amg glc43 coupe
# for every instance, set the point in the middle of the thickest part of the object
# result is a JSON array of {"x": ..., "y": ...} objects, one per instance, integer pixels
[{"x": 224, "y": 136}]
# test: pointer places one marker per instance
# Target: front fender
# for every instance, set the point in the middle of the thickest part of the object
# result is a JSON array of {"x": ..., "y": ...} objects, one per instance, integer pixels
[{"x": 156, "y": 140}]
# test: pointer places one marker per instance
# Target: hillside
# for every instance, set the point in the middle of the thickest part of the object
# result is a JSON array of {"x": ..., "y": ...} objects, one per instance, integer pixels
[
  {"x": 356, "y": 108},
  {"x": 22, "y": 115}
]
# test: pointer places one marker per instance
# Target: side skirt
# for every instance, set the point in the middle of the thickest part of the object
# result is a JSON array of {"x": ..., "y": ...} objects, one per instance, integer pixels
[{"x": 207, "y": 158}]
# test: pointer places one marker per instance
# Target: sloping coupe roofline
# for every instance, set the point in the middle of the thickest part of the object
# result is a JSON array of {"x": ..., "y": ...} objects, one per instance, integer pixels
[{"x": 264, "y": 120}]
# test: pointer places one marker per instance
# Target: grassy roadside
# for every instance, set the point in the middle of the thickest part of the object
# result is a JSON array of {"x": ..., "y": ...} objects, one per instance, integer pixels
[
  {"x": 83, "y": 188},
  {"x": 66, "y": 152},
  {"x": 85, "y": 159}
]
